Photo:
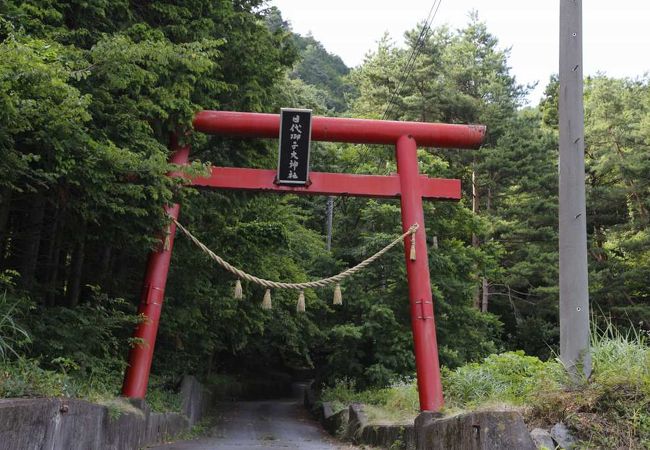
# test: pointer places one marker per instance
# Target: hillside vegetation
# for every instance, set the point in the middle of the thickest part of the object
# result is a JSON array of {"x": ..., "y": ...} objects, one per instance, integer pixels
[
  {"x": 610, "y": 410},
  {"x": 89, "y": 94}
]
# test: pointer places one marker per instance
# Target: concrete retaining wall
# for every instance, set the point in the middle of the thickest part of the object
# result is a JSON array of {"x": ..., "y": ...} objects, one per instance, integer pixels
[
  {"x": 70, "y": 424},
  {"x": 478, "y": 430},
  {"x": 389, "y": 436},
  {"x": 351, "y": 424},
  {"x": 195, "y": 399},
  {"x": 481, "y": 430}
]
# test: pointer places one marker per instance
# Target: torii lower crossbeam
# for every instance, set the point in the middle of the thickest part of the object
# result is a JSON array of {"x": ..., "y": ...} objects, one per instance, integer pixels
[
  {"x": 408, "y": 185},
  {"x": 343, "y": 184}
]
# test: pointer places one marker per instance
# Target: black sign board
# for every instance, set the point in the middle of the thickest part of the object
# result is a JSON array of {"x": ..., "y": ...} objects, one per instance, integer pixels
[{"x": 295, "y": 140}]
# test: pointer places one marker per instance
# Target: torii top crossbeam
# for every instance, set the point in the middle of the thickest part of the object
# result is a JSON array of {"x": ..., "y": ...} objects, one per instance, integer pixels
[{"x": 338, "y": 129}]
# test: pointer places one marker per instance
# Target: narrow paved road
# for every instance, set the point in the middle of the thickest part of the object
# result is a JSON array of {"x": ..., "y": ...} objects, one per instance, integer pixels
[{"x": 271, "y": 424}]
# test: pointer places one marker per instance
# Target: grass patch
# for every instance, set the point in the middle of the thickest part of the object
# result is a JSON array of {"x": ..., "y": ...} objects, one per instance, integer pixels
[
  {"x": 118, "y": 406},
  {"x": 394, "y": 404},
  {"x": 612, "y": 409},
  {"x": 27, "y": 378},
  {"x": 161, "y": 395}
]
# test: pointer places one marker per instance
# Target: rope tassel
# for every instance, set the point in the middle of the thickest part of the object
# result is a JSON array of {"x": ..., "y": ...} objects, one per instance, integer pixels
[
  {"x": 300, "y": 307},
  {"x": 266, "y": 303},
  {"x": 239, "y": 293},
  {"x": 338, "y": 298},
  {"x": 412, "y": 253}
]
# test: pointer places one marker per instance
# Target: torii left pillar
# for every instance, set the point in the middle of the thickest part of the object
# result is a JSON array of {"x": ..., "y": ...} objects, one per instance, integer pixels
[{"x": 136, "y": 378}]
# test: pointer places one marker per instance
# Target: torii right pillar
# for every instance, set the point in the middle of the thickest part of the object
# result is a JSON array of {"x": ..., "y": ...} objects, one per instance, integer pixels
[{"x": 421, "y": 301}]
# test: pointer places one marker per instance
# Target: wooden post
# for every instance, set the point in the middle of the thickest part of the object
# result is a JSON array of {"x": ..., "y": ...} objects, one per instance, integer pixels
[{"x": 574, "y": 293}]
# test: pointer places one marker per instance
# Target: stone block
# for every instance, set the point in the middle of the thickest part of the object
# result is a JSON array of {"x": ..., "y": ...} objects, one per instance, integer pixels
[
  {"x": 194, "y": 399},
  {"x": 480, "y": 430},
  {"x": 357, "y": 419},
  {"x": 327, "y": 410},
  {"x": 563, "y": 436},
  {"x": 542, "y": 439},
  {"x": 336, "y": 423},
  {"x": 389, "y": 436},
  {"x": 28, "y": 423}
]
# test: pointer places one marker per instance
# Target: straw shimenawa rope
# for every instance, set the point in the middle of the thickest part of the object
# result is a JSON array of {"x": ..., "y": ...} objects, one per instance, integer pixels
[{"x": 336, "y": 279}]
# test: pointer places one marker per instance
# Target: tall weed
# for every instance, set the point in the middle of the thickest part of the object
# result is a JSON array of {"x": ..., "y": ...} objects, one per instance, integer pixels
[
  {"x": 612, "y": 408},
  {"x": 13, "y": 336},
  {"x": 620, "y": 356}
]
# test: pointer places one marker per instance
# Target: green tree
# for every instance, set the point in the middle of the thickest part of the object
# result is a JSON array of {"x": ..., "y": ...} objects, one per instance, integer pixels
[
  {"x": 90, "y": 93},
  {"x": 618, "y": 186}
]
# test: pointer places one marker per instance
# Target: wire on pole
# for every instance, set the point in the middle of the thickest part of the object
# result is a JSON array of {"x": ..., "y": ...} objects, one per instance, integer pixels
[{"x": 410, "y": 63}]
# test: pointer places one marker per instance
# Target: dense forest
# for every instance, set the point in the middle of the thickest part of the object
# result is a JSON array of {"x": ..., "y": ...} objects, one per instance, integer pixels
[{"x": 89, "y": 94}]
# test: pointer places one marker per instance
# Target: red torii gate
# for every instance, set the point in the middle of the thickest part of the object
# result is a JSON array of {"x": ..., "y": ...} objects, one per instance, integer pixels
[{"x": 408, "y": 185}]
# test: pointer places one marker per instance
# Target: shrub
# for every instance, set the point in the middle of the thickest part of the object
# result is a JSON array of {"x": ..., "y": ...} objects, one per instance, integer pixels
[
  {"x": 610, "y": 410},
  {"x": 161, "y": 396},
  {"x": 507, "y": 377},
  {"x": 94, "y": 337},
  {"x": 25, "y": 378}
]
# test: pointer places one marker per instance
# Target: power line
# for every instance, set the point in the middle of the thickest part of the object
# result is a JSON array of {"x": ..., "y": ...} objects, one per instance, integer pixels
[{"x": 415, "y": 51}]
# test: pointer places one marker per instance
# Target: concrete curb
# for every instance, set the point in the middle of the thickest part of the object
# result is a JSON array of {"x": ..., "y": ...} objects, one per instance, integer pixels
[
  {"x": 357, "y": 421},
  {"x": 479, "y": 430},
  {"x": 71, "y": 424},
  {"x": 352, "y": 424},
  {"x": 389, "y": 436}
]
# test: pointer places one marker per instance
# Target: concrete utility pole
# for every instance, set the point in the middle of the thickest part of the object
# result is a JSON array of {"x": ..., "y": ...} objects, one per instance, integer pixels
[{"x": 574, "y": 293}]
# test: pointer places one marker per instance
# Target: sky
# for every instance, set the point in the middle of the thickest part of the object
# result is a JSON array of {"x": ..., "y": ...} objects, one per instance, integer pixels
[{"x": 616, "y": 39}]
